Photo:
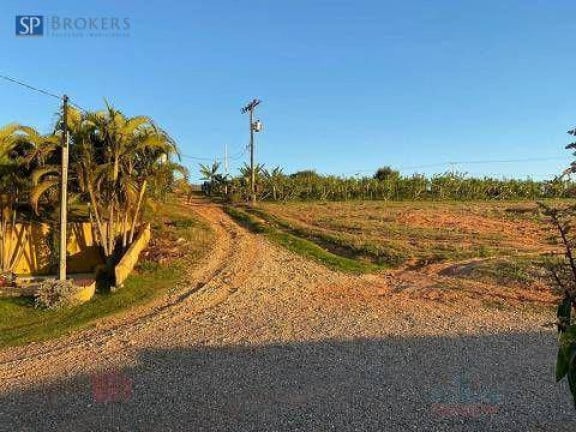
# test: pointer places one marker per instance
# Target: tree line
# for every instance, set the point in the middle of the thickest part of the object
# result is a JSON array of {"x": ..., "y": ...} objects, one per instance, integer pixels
[{"x": 385, "y": 184}]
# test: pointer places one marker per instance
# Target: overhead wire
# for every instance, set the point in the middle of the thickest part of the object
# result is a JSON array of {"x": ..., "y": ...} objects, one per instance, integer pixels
[
  {"x": 30, "y": 87},
  {"x": 466, "y": 162},
  {"x": 241, "y": 153},
  {"x": 51, "y": 94},
  {"x": 237, "y": 156},
  {"x": 40, "y": 90}
]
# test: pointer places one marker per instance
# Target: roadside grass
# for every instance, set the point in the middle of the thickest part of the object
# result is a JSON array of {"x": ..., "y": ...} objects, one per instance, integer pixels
[
  {"x": 299, "y": 245},
  {"x": 247, "y": 221},
  {"x": 335, "y": 244},
  {"x": 21, "y": 323}
]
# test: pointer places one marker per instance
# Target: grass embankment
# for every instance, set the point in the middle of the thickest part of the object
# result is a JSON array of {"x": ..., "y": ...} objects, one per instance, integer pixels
[
  {"x": 334, "y": 243},
  {"x": 178, "y": 241},
  {"x": 299, "y": 245}
]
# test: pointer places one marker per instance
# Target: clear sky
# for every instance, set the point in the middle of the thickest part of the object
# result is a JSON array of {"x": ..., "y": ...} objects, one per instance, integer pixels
[{"x": 346, "y": 85}]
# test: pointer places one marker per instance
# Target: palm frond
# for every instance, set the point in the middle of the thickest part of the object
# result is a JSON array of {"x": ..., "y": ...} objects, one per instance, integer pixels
[{"x": 39, "y": 190}]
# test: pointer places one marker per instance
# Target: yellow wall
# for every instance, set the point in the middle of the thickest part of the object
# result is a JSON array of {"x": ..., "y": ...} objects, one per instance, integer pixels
[
  {"x": 33, "y": 240},
  {"x": 130, "y": 258}
]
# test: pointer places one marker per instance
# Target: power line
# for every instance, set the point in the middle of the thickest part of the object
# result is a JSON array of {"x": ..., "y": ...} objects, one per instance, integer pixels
[
  {"x": 241, "y": 154},
  {"x": 479, "y": 162},
  {"x": 75, "y": 105},
  {"x": 237, "y": 156},
  {"x": 467, "y": 162},
  {"x": 28, "y": 86},
  {"x": 55, "y": 96},
  {"x": 508, "y": 160},
  {"x": 185, "y": 156},
  {"x": 39, "y": 90}
]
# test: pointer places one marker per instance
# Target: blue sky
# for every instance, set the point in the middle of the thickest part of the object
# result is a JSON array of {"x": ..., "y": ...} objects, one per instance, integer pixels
[{"x": 346, "y": 85}]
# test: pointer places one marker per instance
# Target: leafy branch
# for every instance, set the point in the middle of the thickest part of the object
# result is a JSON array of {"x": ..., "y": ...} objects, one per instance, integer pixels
[{"x": 564, "y": 274}]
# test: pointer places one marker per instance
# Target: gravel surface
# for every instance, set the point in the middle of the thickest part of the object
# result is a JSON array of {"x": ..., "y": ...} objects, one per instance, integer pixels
[{"x": 259, "y": 339}]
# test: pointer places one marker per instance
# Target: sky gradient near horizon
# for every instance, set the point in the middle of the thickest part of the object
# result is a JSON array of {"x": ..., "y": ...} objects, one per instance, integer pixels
[{"x": 346, "y": 85}]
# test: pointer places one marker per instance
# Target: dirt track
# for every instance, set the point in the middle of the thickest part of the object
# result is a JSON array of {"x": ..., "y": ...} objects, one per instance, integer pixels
[{"x": 260, "y": 339}]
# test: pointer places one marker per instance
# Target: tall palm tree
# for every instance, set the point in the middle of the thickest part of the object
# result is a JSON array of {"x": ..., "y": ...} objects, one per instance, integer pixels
[
  {"x": 112, "y": 159},
  {"x": 16, "y": 141},
  {"x": 129, "y": 151}
]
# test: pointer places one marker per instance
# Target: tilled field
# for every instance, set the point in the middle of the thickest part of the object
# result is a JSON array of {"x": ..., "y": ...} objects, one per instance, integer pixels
[
  {"x": 423, "y": 230},
  {"x": 262, "y": 340}
]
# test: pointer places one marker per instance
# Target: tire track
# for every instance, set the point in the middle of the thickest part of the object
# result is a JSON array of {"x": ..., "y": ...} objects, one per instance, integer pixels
[{"x": 206, "y": 286}]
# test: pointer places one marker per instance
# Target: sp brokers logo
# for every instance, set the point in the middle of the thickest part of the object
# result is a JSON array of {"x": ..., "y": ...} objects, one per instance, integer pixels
[{"x": 29, "y": 25}]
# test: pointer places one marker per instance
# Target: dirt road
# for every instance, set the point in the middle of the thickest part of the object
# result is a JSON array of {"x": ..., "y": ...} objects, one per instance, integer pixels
[{"x": 259, "y": 339}]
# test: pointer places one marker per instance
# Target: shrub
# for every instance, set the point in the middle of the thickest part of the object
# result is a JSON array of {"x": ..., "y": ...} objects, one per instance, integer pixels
[
  {"x": 55, "y": 294},
  {"x": 564, "y": 274}
]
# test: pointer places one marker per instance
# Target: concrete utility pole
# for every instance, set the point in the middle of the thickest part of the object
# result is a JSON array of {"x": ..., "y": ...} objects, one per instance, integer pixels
[
  {"x": 226, "y": 160},
  {"x": 64, "y": 190},
  {"x": 254, "y": 127}
]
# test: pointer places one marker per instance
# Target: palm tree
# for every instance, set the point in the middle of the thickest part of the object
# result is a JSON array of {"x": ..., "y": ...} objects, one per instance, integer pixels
[
  {"x": 16, "y": 141},
  {"x": 113, "y": 158},
  {"x": 129, "y": 153}
]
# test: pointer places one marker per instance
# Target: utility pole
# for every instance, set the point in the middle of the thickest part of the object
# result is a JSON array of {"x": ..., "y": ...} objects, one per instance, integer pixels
[
  {"x": 254, "y": 127},
  {"x": 64, "y": 190},
  {"x": 252, "y": 172},
  {"x": 226, "y": 159}
]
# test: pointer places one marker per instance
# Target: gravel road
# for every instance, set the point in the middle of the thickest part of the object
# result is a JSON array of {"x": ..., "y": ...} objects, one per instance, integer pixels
[{"x": 259, "y": 339}]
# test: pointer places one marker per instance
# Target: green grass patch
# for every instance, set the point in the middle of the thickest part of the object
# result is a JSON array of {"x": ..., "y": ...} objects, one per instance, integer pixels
[
  {"x": 246, "y": 220},
  {"x": 299, "y": 245},
  {"x": 21, "y": 323},
  {"x": 375, "y": 254}
]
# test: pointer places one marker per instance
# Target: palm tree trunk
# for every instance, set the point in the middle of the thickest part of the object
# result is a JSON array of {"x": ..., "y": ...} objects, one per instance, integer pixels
[
  {"x": 115, "y": 174},
  {"x": 99, "y": 224},
  {"x": 111, "y": 229},
  {"x": 128, "y": 204},
  {"x": 4, "y": 244},
  {"x": 137, "y": 212},
  {"x": 125, "y": 230}
]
